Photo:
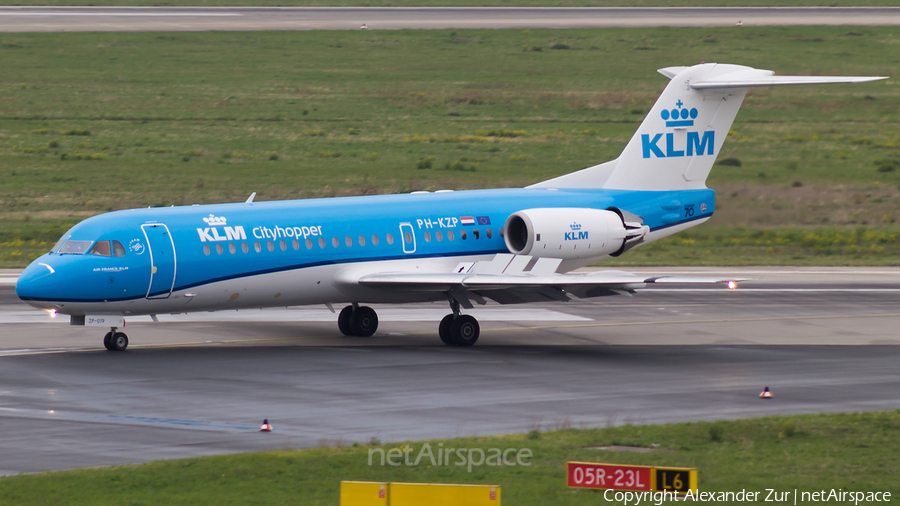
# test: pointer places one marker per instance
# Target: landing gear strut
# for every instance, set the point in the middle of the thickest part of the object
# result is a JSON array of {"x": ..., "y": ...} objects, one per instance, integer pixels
[
  {"x": 458, "y": 329},
  {"x": 115, "y": 341},
  {"x": 359, "y": 321}
]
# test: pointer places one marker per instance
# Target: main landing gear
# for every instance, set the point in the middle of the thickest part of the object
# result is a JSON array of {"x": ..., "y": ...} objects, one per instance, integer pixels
[
  {"x": 359, "y": 321},
  {"x": 458, "y": 329},
  {"x": 115, "y": 341}
]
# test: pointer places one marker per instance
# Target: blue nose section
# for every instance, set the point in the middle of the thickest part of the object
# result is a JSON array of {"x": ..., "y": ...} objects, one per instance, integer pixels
[{"x": 37, "y": 281}]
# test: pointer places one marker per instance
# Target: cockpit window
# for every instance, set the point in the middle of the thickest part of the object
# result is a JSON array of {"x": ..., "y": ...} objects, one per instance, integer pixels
[
  {"x": 101, "y": 248},
  {"x": 118, "y": 249},
  {"x": 59, "y": 243},
  {"x": 75, "y": 247}
]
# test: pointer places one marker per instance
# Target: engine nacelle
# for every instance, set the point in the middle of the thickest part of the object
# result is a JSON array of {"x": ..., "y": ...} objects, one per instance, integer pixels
[{"x": 571, "y": 233}]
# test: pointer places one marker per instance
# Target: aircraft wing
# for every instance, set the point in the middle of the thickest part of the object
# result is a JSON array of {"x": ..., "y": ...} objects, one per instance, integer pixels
[{"x": 505, "y": 280}]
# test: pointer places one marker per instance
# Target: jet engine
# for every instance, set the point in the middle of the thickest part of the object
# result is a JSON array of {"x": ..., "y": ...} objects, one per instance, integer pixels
[{"x": 572, "y": 233}]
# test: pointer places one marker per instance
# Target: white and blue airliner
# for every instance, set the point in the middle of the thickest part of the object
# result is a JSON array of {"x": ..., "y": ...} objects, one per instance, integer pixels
[{"x": 513, "y": 245}]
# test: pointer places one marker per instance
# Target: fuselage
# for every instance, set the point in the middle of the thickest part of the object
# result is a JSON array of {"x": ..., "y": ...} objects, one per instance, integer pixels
[{"x": 285, "y": 253}]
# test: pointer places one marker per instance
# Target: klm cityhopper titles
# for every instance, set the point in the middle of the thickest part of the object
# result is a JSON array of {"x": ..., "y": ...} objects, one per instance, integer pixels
[{"x": 508, "y": 245}]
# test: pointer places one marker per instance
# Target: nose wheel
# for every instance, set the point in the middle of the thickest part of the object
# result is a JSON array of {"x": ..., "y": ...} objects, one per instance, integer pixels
[
  {"x": 358, "y": 321},
  {"x": 115, "y": 341}
]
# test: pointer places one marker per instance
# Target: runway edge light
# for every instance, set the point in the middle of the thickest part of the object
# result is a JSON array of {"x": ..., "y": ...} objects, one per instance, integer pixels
[
  {"x": 265, "y": 427},
  {"x": 766, "y": 394}
]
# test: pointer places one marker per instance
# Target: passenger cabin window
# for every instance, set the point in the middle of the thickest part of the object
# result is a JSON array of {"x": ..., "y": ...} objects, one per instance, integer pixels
[
  {"x": 101, "y": 248},
  {"x": 489, "y": 233},
  {"x": 74, "y": 247}
]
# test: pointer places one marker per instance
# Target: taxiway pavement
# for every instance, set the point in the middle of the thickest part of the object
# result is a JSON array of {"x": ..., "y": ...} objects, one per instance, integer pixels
[
  {"x": 117, "y": 19},
  {"x": 824, "y": 340}
]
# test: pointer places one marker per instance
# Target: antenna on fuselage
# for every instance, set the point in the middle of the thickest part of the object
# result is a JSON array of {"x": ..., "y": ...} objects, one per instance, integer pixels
[{"x": 250, "y": 199}]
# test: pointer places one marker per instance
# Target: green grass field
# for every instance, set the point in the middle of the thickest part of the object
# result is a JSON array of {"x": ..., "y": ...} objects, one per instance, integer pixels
[
  {"x": 848, "y": 452},
  {"x": 92, "y": 122}
]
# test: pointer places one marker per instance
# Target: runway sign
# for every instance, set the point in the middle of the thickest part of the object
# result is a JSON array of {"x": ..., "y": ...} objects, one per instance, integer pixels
[
  {"x": 609, "y": 476},
  {"x": 438, "y": 494},
  {"x": 630, "y": 478},
  {"x": 365, "y": 493},
  {"x": 674, "y": 479}
]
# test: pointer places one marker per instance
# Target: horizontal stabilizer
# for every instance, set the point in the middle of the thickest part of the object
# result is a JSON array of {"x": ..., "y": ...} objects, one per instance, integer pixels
[
  {"x": 671, "y": 72},
  {"x": 752, "y": 78}
]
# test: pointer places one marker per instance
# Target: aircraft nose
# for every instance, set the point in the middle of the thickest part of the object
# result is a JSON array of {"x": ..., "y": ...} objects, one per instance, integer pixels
[{"x": 37, "y": 281}]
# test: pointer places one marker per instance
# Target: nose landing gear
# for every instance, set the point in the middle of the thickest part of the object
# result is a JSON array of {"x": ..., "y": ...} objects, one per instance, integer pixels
[
  {"x": 359, "y": 321},
  {"x": 115, "y": 341}
]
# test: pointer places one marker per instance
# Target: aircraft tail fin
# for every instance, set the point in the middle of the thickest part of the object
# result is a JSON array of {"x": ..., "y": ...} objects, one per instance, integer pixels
[{"x": 677, "y": 143}]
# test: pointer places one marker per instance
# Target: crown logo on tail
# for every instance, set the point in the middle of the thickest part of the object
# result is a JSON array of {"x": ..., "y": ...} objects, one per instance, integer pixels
[{"x": 679, "y": 117}]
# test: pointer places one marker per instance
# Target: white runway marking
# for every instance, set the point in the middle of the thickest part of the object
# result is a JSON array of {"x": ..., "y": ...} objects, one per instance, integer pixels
[
  {"x": 6, "y": 280},
  {"x": 314, "y": 315},
  {"x": 76, "y": 416},
  {"x": 119, "y": 14}
]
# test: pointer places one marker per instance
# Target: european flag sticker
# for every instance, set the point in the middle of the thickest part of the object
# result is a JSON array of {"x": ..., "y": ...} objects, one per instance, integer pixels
[{"x": 483, "y": 220}]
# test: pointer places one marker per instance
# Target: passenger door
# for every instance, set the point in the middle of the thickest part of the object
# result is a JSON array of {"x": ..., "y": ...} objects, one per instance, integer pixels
[{"x": 162, "y": 260}]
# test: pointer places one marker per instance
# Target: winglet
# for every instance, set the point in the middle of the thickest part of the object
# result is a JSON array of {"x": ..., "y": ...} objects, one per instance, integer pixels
[{"x": 250, "y": 199}]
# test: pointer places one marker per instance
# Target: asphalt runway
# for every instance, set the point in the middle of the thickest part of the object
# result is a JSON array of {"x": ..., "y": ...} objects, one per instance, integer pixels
[
  {"x": 824, "y": 340},
  {"x": 116, "y": 19}
]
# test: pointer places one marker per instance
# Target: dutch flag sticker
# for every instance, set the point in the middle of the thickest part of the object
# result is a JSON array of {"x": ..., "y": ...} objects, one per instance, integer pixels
[{"x": 467, "y": 220}]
